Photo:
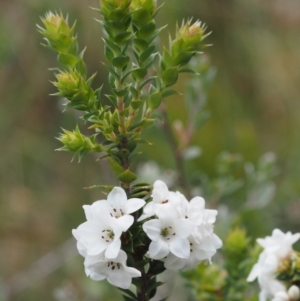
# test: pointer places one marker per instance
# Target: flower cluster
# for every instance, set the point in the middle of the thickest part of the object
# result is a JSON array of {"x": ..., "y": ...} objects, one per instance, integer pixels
[
  {"x": 177, "y": 231},
  {"x": 182, "y": 231},
  {"x": 99, "y": 238},
  {"x": 277, "y": 250}
]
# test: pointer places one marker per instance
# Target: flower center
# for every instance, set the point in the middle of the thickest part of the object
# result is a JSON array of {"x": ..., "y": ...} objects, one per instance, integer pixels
[
  {"x": 107, "y": 235},
  {"x": 114, "y": 265},
  {"x": 116, "y": 213},
  {"x": 167, "y": 233}
]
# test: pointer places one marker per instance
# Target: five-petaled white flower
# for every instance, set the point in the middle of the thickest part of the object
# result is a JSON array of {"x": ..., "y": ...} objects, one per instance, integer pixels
[
  {"x": 98, "y": 235},
  {"x": 168, "y": 234},
  {"x": 162, "y": 199},
  {"x": 114, "y": 270},
  {"x": 106, "y": 220},
  {"x": 118, "y": 206},
  {"x": 276, "y": 248}
]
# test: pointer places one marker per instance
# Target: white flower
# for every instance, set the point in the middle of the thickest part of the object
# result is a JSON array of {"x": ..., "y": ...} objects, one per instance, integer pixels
[
  {"x": 168, "y": 234},
  {"x": 162, "y": 199},
  {"x": 294, "y": 293},
  {"x": 203, "y": 242},
  {"x": 276, "y": 248},
  {"x": 99, "y": 235},
  {"x": 281, "y": 296},
  {"x": 279, "y": 244},
  {"x": 118, "y": 206},
  {"x": 199, "y": 251},
  {"x": 114, "y": 270},
  {"x": 106, "y": 220}
]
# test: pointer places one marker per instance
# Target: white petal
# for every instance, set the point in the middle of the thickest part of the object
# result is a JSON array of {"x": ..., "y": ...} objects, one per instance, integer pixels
[
  {"x": 160, "y": 191},
  {"x": 294, "y": 292},
  {"x": 117, "y": 198},
  {"x": 180, "y": 247},
  {"x": 197, "y": 203},
  {"x": 173, "y": 262},
  {"x": 254, "y": 273},
  {"x": 133, "y": 205},
  {"x": 125, "y": 222},
  {"x": 210, "y": 216},
  {"x": 120, "y": 280},
  {"x": 153, "y": 228},
  {"x": 183, "y": 228},
  {"x": 99, "y": 209},
  {"x": 87, "y": 211},
  {"x": 96, "y": 247},
  {"x": 113, "y": 249},
  {"x": 158, "y": 249},
  {"x": 132, "y": 272},
  {"x": 96, "y": 276}
]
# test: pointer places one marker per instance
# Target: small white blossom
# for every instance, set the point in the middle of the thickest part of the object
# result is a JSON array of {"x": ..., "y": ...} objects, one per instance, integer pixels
[
  {"x": 183, "y": 232},
  {"x": 106, "y": 220},
  {"x": 276, "y": 248},
  {"x": 99, "y": 235},
  {"x": 119, "y": 207},
  {"x": 294, "y": 293},
  {"x": 168, "y": 234},
  {"x": 281, "y": 296},
  {"x": 203, "y": 242},
  {"x": 162, "y": 199},
  {"x": 114, "y": 270}
]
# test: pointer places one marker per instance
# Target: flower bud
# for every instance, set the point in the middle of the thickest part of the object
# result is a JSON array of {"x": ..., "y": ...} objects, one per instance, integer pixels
[
  {"x": 56, "y": 24},
  {"x": 294, "y": 293},
  {"x": 57, "y": 32},
  {"x": 188, "y": 38},
  {"x": 192, "y": 34},
  {"x": 75, "y": 141},
  {"x": 72, "y": 86},
  {"x": 67, "y": 83}
]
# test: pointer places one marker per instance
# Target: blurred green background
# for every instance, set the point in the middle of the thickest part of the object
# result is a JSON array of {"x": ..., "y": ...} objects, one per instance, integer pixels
[{"x": 254, "y": 105}]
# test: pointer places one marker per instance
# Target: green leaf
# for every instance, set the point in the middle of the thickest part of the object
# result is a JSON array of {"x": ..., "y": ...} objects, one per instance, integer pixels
[
  {"x": 112, "y": 99},
  {"x": 128, "y": 292},
  {"x": 121, "y": 61},
  {"x": 145, "y": 55},
  {"x": 112, "y": 71},
  {"x": 116, "y": 168},
  {"x": 154, "y": 100},
  {"x": 81, "y": 67},
  {"x": 67, "y": 60},
  {"x": 147, "y": 30},
  {"x": 167, "y": 93},
  {"x": 140, "y": 17},
  {"x": 187, "y": 70},
  {"x": 183, "y": 58},
  {"x": 167, "y": 60},
  {"x": 103, "y": 187},
  {"x": 135, "y": 104},
  {"x": 157, "y": 267},
  {"x": 148, "y": 123},
  {"x": 126, "y": 298},
  {"x": 147, "y": 80},
  {"x": 113, "y": 47},
  {"x": 170, "y": 76},
  {"x": 108, "y": 53},
  {"x": 122, "y": 37},
  {"x": 140, "y": 44},
  {"x": 139, "y": 73},
  {"x": 127, "y": 176}
]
